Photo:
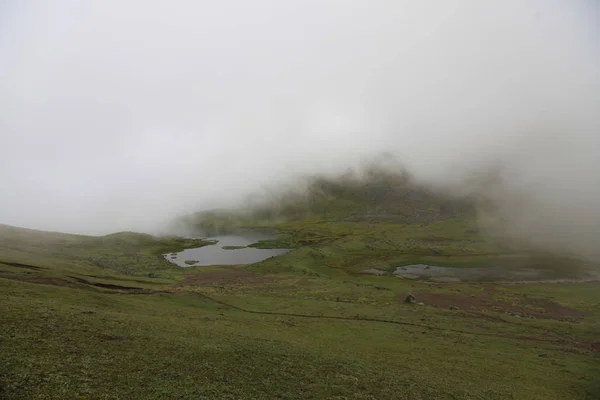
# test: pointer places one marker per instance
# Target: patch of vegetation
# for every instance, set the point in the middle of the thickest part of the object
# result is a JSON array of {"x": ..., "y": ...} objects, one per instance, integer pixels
[
  {"x": 272, "y": 244},
  {"x": 226, "y": 332},
  {"x": 380, "y": 220},
  {"x": 85, "y": 317},
  {"x": 233, "y": 247},
  {"x": 191, "y": 262},
  {"x": 125, "y": 252}
]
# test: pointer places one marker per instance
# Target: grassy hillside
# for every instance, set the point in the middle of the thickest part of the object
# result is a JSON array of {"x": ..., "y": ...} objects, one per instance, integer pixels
[
  {"x": 373, "y": 196},
  {"x": 380, "y": 219},
  {"x": 107, "y": 317},
  {"x": 125, "y": 252}
]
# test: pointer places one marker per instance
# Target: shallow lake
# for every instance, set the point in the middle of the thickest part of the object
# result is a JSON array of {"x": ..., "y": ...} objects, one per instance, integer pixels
[
  {"x": 458, "y": 274},
  {"x": 217, "y": 255}
]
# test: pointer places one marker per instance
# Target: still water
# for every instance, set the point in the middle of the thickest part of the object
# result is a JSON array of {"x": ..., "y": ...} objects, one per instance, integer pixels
[{"x": 216, "y": 255}]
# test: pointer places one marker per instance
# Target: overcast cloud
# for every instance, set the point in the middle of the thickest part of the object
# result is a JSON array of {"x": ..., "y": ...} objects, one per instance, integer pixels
[{"x": 117, "y": 115}]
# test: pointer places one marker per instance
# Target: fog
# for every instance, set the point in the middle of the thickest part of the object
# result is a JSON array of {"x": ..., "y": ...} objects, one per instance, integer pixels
[{"x": 119, "y": 115}]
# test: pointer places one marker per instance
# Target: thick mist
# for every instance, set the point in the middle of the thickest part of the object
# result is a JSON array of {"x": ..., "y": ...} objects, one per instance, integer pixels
[{"x": 119, "y": 115}]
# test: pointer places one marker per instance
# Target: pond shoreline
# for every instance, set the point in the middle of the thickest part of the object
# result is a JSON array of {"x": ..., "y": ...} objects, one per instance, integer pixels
[{"x": 241, "y": 247}]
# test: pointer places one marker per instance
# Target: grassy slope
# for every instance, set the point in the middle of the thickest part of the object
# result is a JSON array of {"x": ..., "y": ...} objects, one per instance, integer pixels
[
  {"x": 84, "y": 317},
  {"x": 193, "y": 341},
  {"x": 383, "y": 220},
  {"x": 125, "y": 252}
]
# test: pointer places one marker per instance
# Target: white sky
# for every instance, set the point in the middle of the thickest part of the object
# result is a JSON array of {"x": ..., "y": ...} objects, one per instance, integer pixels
[{"x": 116, "y": 115}]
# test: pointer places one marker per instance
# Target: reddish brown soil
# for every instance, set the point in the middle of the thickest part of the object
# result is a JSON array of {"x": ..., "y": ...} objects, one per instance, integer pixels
[
  {"x": 226, "y": 276},
  {"x": 590, "y": 346},
  {"x": 524, "y": 307},
  {"x": 595, "y": 346}
]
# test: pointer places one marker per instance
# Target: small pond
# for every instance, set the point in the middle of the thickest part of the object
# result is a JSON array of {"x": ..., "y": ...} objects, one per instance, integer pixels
[
  {"x": 217, "y": 255},
  {"x": 457, "y": 274}
]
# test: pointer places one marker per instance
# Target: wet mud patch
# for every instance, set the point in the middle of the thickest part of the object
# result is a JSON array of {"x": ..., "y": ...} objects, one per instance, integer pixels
[{"x": 522, "y": 307}]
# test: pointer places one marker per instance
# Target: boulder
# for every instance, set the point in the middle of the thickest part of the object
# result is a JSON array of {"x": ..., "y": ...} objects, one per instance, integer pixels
[{"x": 410, "y": 299}]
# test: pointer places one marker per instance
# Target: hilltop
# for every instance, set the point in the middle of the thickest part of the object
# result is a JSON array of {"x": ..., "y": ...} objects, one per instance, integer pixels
[{"x": 381, "y": 218}]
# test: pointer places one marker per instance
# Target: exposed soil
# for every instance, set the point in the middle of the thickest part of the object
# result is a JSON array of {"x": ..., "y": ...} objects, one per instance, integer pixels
[
  {"x": 226, "y": 276},
  {"x": 41, "y": 280},
  {"x": 18, "y": 265},
  {"x": 108, "y": 285},
  {"x": 594, "y": 346},
  {"x": 523, "y": 307},
  {"x": 112, "y": 278},
  {"x": 590, "y": 346},
  {"x": 55, "y": 281}
]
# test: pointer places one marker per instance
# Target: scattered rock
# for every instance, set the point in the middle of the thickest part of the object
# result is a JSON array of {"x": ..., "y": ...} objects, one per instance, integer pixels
[
  {"x": 420, "y": 303},
  {"x": 382, "y": 288},
  {"x": 410, "y": 299},
  {"x": 373, "y": 271},
  {"x": 445, "y": 279},
  {"x": 407, "y": 276},
  {"x": 453, "y": 308},
  {"x": 558, "y": 364}
]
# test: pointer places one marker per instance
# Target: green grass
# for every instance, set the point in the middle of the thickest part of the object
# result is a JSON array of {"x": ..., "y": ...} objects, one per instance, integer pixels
[
  {"x": 110, "y": 318},
  {"x": 384, "y": 221},
  {"x": 70, "y": 329},
  {"x": 125, "y": 252}
]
